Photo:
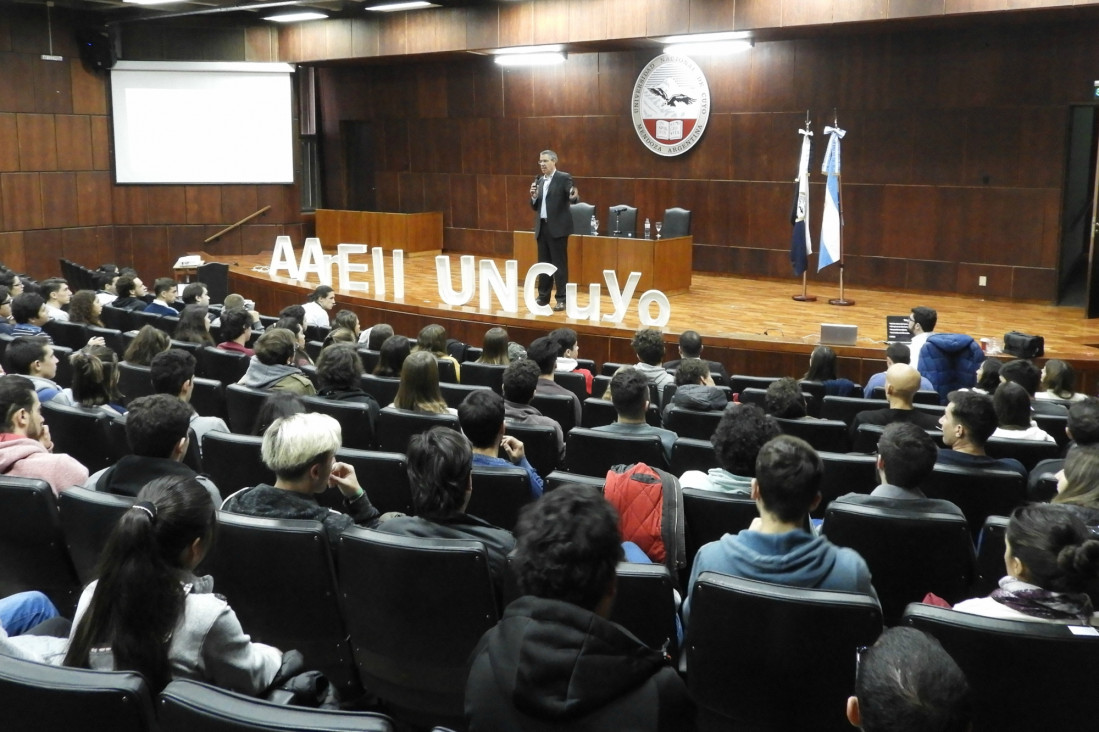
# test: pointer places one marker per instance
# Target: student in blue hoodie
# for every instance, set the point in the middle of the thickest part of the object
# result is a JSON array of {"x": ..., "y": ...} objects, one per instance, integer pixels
[{"x": 777, "y": 549}]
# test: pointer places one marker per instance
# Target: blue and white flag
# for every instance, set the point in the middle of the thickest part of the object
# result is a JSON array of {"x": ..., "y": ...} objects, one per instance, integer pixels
[
  {"x": 801, "y": 245},
  {"x": 831, "y": 226}
]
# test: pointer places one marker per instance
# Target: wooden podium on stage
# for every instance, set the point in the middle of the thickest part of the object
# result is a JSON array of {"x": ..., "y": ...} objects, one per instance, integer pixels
[
  {"x": 664, "y": 264},
  {"x": 417, "y": 234}
]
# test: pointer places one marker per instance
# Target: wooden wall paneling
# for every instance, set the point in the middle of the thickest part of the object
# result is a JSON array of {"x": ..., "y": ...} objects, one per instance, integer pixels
[
  {"x": 1042, "y": 147},
  {"x": 9, "y": 142},
  {"x": 518, "y": 91},
  {"x": 411, "y": 191},
  {"x": 41, "y": 249},
  {"x": 623, "y": 18},
  {"x": 290, "y": 42},
  {"x": 1028, "y": 283},
  {"x": 492, "y": 202},
  {"x": 365, "y": 37},
  {"x": 661, "y": 17},
  {"x": 711, "y": 15},
  {"x": 506, "y": 154},
  {"x": 461, "y": 91},
  {"x": 338, "y": 38},
  {"x": 260, "y": 44},
  {"x": 988, "y": 131},
  {"x": 421, "y": 32},
  {"x": 29, "y": 33},
  {"x": 89, "y": 90},
  {"x": 16, "y": 95},
  {"x": 11, "y": 244},
  {"x": 450, "y": 28},
  {"x": 808, "y": 12},
  {"x": 476, "y": 145},
  {"x": 873, "y": 271},
  {"x": 256, "y": 238},
  {"x": 713, "y": 161},
  {"x": 930, "y": 275},
  {"x": 238, "y": 201},
  {"x": 227, "y": 245},
  {"x": 52, "y": 87},
  {"x": 431, "y": 92},
  {"x": 395, "y": 154},
  {"x": 150, "y": 253},
  {"x": 388, "y": 192},
  {"x": 909, "y": 228},
  {"x": 551, "y": 21},
  {"x": 37, "y": 142},
  {"x": 617, "y": 74},
  {"x": 588, "y": 20},
  {"x": 769, "y": 217},
  {"x": 876, "y": 149},
  {"x": 749, "y": 158},
  {"x": 516, "y": 24},
  {"x": 862, "y": 214},
  {"x": 437, "y": 196},
  {"x": 165, "y": 205},
  {"x": 180, "y": 240},
  {"x": 22, "y": 201},
  {"x": 937, "y": 143},
  {"x": 915, "y": 8},
  {"x": 482, "y": 27},
  {"x": 79, "y": 245},
  {"x": 203, "y": 205},
  {"x": 463, "y": 201},
  {"x": 393, "y": 34},
  {"x": 5, "y": 33},
  {"x": 999, "y": 279},
  {"x": 850, "y": 11},
  {"x": 488, "y": 87},
  {"x": 74, "y": 141},
  {"x": 58, "y": 200},
  {"x": 520, "y": 214},
  {"x": 101, "y": 148},
  {"x": 727, "y": 218},
  {"x": 129, "y": 204},
  {"x": 284, "y": 200},
  {"x": 599, "y": 156}
]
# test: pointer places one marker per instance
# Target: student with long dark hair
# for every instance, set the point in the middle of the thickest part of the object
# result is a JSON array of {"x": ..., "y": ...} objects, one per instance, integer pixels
[
  {"x": 95, "y": 379},
  {"x": 822, "y": 368},
  {"x": 149, "y": 613},
  {"x": 194, "y": 326}
]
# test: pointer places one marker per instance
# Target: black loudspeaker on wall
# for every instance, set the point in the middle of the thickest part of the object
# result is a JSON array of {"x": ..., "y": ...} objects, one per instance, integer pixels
[{"x": 96, "y": 48}]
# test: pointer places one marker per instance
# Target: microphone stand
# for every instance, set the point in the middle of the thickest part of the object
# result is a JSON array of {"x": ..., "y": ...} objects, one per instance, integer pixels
[{"x": 617, "y": 213}]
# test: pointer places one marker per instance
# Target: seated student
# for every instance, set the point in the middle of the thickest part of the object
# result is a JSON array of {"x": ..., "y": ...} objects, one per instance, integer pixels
[
  {"x": 276, "y": 404},
  {"x": 33, "y": 357},
  {"x": 149, "y": 613},
  {"x": 146, "y": 345},
  {"x": 22, "y": 611},
  {"x": 494, "y": 349},
  {"x": 1012, "y": 405},
  {"x": 1051, "y": 558},
  {"x": 988, "y": 376},
  {"x": 822, "y": 369},
  {"x": 630, "y": 395},
  {"x": 1078, "y": 485},
  {"x": 339, "y": 374},
  {"x": 301, "y": 356},
  {"x": 194, "y": 326},
  {"x": 236, "y": 331},
  {"x": 543, "y": 351},
  {"x": 555, "y": 661},
  {"x": 7, "y": 322},
  {"x": 236, "y": 302},
  {"x": 376, "y": 335},
  {"x": 29, "y": 313},
  {"x": 690, "y": 349},
  {"x": 173, "y": 373},
  {"x": 1059, "y": 382},
  {"x": 419, "y": 387},
  {"x": 131, "y": 293},
  {"x": 432, "y": 339},
  {"x": 740, "y": 434},
  {"x": 520, "y": 381},
  {"x": 901, "y": 383},
  {"x": 784, "y": 400},
  {"x": 391, "y": 357},
  {"x": 345, "y": 328},
  {"x": 157, "y": 431},
  {"x": 271, "y": 367},
  {"x": 906, "y": 458},
  {"x": 301, "y": 451},
  {"x": 105, "y": 279},
  {"x": 440, "y": 465},
  {"x": 895, "y": 353},
  {"x": 95, "y": 380},
  {"x": 195, "y": 294},
  {"x": 907, "y": 682},
  {"x": 648, "y": 344},
  {"x": 777, "y": 549},
  {"x": 85, "y": 309},
  {"x": 320, "y": 301},
  {"x": 1027, "y": 375},
  {"x": 25, "y": 446},
  {"x": 969, "y": 420},
  {"x": 57, "y": 294},
  {"x": 695, "y": 388},
  {"x": 568, "y": 351},
  {"x": 164, "y": 294},
  {"x": 481, "y": 417}
]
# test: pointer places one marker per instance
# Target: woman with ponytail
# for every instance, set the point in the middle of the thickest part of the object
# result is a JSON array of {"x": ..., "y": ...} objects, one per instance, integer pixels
[
  {"x": 149, "y": 613},
  {"x": 95, "y": 379},
  {"x": 1051, "y": 559}
]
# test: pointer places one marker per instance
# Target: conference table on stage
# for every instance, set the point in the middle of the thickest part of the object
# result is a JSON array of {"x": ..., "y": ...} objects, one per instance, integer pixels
[{"x": 664, "y": 264}]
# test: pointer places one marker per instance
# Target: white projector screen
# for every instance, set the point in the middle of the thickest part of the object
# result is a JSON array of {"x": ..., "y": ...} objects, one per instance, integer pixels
[{"x": 200, "y": 122}]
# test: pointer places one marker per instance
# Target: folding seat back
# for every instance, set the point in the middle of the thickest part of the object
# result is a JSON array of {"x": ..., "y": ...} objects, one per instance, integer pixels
[
  {"x": 397, "y": 426},
  {"x": 991, "y": 543},
  {"x": 788, "y": 643},
  {"x": 383, "y": 475},
  {"x": 64, "y": 333},
  {"x": 845, "y": 408},
  {"x": 369, "y": 359},
  {"x": 134, "y": 381},
  {"x": 242, "y": 403},
  {"x": 455, "y": 394},
  {"x": 415, "y": 609},
  {"x": 691, "y": 454},
  {"x": 356, "y": 420},
  {"x": 226, "y": 366},
  {"x": 233, "y": 461},
  {"x": 120, "y": 319},
  {"x": 1028, "y": 452},
  {"x": 557, "y": 407},
  {"x": 845, "y": 473},
  {"x": 39, "y": 696},
  {"x": 574, "y": 382},
  {"x": 644, "y": 604},
  {"x": 710, "y": 515},
  {"x": 822, "y": 434},
  {"x": 87, "y": 520},
  {"x": 691, "y": 422},
  {"x": 997, "y": 656},
  {"x": 297, "y": 609},
  {"x": 539, "y": 444},
  {"x": 498, "y": 495},
  {"x": 484, "y": 374},
  {"x": 208, "y": 398},
  {"x": 590, "y": 452},
  {"x": 980, "y": 493},
  {"x": 382, "y": 388},
  {"x": 82, "y": 433},
  {"x": 447, "y": 373},
  {"x": 739, "y": 382}
]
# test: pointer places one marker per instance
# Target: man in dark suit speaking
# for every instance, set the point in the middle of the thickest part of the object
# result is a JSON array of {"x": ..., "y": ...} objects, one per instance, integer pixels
[{"x": 550, "y": 196}]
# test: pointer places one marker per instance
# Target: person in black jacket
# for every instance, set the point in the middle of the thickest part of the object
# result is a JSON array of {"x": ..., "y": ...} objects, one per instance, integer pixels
[
  {"x": 339, "y": 371},
  {"x": 554, "y": 661},
  {"x": 550, "y": 196}
]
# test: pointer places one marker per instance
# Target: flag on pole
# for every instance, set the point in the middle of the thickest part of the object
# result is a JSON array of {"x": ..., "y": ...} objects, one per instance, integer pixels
[
  {"x": 801, "y": 245},
  {"x": 831, "y": 226}
]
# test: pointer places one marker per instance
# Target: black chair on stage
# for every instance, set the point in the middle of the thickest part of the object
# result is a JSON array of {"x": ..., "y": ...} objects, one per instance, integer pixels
[
  {"x": 539, "y": 444},
  {"x": 589, "y": 452},
  {"x": 87, "y": 519},
  {"x": 41, "y": 696},
  {"x": 621, "y": 220},
  {"x": 498, "y": 495},
  {"x": 215, "y": 275},
  {"x": 909, "y": 553},
  {"x": 800, "y": 641},
  {"x": 233, "y": 461},
  {"x": 677, "y": 222},
  {"x": 581, "y": 217},
  {"x": 1054, "y": 661},
  {"x": 483, "y": 374},
  {"x": 396, "y": 427},
  {"x": 691, "y": 454},
  {"x": 415, "y": 609},
  {"x": 185, "y": 706}
]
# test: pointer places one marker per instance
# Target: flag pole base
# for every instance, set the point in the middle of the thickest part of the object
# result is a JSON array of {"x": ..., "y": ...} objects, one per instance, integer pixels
[
  {"x": 804, "y": 298},
  {"x": 841, "y": 301}
]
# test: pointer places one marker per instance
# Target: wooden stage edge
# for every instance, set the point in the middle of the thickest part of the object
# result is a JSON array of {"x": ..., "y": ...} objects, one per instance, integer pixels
[{"x": 751, "y": 325}]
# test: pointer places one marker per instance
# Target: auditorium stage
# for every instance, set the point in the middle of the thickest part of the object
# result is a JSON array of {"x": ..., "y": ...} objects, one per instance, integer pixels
[{"x": 751, "y": 325}]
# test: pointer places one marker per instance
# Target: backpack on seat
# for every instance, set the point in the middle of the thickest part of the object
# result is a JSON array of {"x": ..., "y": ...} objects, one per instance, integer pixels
[{"x": 649, "y": 502}]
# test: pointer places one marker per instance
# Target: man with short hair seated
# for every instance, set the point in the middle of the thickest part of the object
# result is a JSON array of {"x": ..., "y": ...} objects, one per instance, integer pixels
[
  {"x": 740, "y": 434},
  {"x": 440, "y": 466},
  {"x": 301, "y": 451},
  {"x": 969, "y": 420},
  {"x": 58, "y": 295},
  {"x": 157, "y": 430},
  {"x": 630, "y": 396},
  {"x": 481, "y": 417},
  {"x": 907, "y": 682},
  {"x": 25, "y": 445},
  {"x": 906, "y": 458},
  {"x": 173, "y": 372},
  {"x": 901, "y": 384},
  {"x": 520, "y": 381},
  {"x": 543, "y": 351},
  {"x": 272, "y": 366},
  {"x": 690, "y": 349},
  {"x": 33, "y": 357},
  {"x": 28, "y": 310},
  {"x": 131, "y": 293},
  {"x": 895, "y": 353},
  {"x": 1082, "y": 429},
  {"x": 164, "y": 294},
  {"x": 1027, "y": 375},
  {"x": 196, "y": 293},
  {"x": 554, "y": 661},
  {"x": 236, "y": 331},
  {"x": 648, "y": 344},
  {"x": 777, "y": 548},
  {"x": 695, "y": 388}
]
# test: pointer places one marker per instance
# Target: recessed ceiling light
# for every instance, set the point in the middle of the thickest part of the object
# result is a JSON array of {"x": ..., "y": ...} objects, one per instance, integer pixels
[
  {"x": 530, "y": 59},
  {"x": 709, "y": 48},
  {"x": 550, "y": 48},
  {"x": 707, "y": 37},
  {"x": 150, "y": 2},
  {"x": 394, "y": 7},
  {"x": 296, "y": 17}
]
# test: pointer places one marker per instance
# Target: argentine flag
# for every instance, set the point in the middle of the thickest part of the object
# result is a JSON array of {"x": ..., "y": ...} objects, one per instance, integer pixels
[
  {"x": 832, "y": 219},
  {"x": 801, "y": 245}
]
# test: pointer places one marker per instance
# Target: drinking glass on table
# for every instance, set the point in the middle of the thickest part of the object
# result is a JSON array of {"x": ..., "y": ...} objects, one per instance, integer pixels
[{"x": 659, "y": 226}]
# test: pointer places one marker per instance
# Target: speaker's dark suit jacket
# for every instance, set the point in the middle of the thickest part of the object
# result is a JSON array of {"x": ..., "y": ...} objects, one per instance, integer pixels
[{"x": 558, "y": 215}]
